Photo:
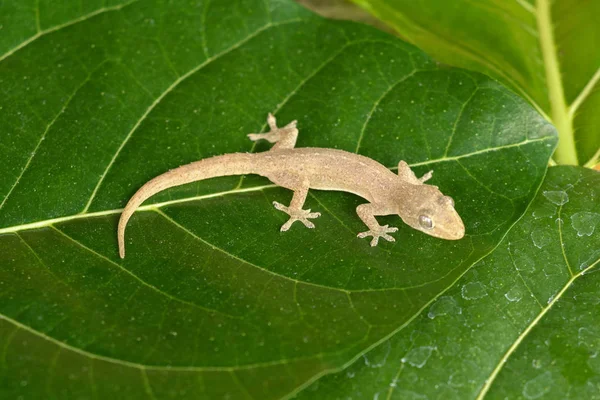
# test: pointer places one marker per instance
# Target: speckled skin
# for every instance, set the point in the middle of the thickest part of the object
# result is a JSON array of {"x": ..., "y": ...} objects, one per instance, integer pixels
[{"x": 324, "y": 169}]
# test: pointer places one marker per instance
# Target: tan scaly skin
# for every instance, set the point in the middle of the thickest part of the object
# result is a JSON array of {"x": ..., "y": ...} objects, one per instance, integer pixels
[{"x": 421, "y": 206}]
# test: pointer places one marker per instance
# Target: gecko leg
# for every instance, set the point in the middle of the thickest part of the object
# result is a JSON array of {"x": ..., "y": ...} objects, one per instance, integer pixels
[
  {"x": 284, "y": 138},
  {"x": 295, "y": 210},
  {"x": 367, "y": 213}
]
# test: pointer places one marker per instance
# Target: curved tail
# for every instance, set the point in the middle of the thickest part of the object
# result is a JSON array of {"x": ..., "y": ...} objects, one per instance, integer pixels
[{"x": 225, "y": 165}]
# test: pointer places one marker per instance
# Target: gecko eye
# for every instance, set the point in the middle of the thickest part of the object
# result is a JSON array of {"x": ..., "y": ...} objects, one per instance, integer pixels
[{"x": 425, "y": 222}]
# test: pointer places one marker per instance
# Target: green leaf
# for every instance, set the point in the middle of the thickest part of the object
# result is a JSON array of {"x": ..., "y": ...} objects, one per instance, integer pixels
[
  {"x": 521, "y": 323},
  {"x": 547, "y": 52},
  {"x": 212, "y": 300}
]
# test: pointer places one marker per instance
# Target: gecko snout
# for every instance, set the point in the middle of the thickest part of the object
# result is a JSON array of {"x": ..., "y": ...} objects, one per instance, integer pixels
[{"x": 448, "y": 226}]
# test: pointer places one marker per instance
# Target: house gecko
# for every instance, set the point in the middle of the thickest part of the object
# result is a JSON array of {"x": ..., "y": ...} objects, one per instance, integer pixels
[{"x": 421, "y": 206}]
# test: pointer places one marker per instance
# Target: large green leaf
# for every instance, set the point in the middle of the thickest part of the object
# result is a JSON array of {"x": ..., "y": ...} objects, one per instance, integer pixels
[
  {"x": 212, "y": 300},
  {"x": 547, "y": 50},
  {"x": 521, "y": 324}
]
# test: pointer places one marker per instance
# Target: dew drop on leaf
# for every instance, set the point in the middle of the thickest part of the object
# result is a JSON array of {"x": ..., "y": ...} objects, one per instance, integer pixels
[
  {"x": 378, "y": 356},
  {"x": 546, "y": 210},
  {"x": 587, "y": 337},
  {"x": 418, "y": 357},
  {"x": 523, "y": 262},
  {"x": 514, "y": 294},
  {"x": 557, "y": 197},
  {"x": 584, "y": 222},
  {"x": 540, "y": 238},
  {"x": 538, "y": 386},
  {"x": 445, "y": 305},
  {"x": 473, "y": 291}
]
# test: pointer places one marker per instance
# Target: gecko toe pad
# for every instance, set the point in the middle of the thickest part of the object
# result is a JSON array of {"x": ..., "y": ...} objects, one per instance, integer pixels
[
  {"x": 380, "y": 232},
  {"x": 296, "y": 215}
]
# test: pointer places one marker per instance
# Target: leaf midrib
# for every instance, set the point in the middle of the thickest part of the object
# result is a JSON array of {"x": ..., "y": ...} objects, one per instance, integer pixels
[
  {"x": 565, "y": 152},
  {"x": 237, "y": 190}
]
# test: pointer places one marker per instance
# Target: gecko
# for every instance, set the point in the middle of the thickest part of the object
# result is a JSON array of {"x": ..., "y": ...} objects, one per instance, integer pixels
[{"x": 421, "y": 206}]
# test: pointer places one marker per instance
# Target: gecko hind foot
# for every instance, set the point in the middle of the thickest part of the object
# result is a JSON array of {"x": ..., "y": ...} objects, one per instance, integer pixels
[
  {"x": 380, "y": 232},
  {"x": 296, "y": 215}
]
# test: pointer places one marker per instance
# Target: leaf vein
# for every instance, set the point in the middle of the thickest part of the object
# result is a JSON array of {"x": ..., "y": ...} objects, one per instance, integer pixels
[
  {"x": 169, "y": 90},
  {"x": 39, "y": 143},
  {"x": 490, "y": 380},
  {"x": 140, "y": 280},
  {"x": 376, "y": 104},
  {"x": 130, "y": 364},
  {"x": 458, "y": 118},
  {"x": 64, "y": 25}
]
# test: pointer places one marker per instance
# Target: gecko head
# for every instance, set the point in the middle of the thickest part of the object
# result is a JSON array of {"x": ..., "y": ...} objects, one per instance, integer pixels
[{"x": 434, "y": 214}]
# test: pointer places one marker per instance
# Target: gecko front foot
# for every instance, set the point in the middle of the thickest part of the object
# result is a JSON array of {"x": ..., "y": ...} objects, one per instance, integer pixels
[
  {"x": 277, "y": 134},
  {"x": 270, "y": 137},
  {"x": 296, "y": 215},
  {"x": 380, "y": 232}
]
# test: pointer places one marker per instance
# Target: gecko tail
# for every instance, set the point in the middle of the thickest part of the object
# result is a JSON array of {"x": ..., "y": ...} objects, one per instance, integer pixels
[
  {"x": 225, "y": 165},
  {"x": 145, "y": 192}
]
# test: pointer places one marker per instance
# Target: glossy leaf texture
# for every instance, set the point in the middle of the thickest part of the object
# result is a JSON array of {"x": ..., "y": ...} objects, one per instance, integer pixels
[
  {"x": 212, "y": 301},
  {"x": 522, "y": 323},
  {"x": 546, "y": 50}
]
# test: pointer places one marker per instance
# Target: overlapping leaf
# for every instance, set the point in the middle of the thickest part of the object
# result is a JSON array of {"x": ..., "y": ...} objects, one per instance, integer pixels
[
  {"x": 546, "y": 50},
  {"x": 212, "y": 300},
  {"x": 522, "y": 323}
]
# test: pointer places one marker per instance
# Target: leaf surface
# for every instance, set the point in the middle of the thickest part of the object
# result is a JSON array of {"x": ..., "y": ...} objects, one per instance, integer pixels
[
  {"x": 212, "y": 300},
  {"x": 546, "y": 50},
  {"x": 522, "y": 323}
]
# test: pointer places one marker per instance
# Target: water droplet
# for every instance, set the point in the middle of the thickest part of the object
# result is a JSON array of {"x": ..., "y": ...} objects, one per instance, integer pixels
[
  {"x": 377, "y": 357},
  {"x": 514, "y": 294},
  {"x": 584, "y": 222},
  {"x": 418, "y": 357},
  {"x": 544, "y": 211},
  {"x": 586, "y": 337},
  {"x": 540, "y": 238},
  {"x": 445, "y": 305},
  {"x": 559, "y": 222},
  {"x": 557, "y": 197},
  {"x": 523, "y": 262},
  {"x": 473, "y": 291},
  {"x": 538, "y": 386},
  {"x": 553, "y": 269},
  {"x": 590, "y": 260}
]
